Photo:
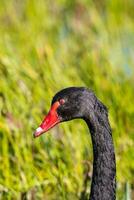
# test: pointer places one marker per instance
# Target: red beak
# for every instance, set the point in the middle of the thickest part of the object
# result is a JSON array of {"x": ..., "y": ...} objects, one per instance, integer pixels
[{"x": 49, "y": 121}]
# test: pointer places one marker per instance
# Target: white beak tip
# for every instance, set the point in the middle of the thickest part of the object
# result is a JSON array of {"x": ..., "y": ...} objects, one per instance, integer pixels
[{"x": 38, "y": 131}]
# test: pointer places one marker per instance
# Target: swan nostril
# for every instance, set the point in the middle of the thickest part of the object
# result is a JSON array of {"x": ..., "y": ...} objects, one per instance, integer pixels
[{"x": 47, "y": 120}]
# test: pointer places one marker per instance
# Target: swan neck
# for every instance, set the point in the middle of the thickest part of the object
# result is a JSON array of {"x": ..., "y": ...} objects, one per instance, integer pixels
[{"x": 103, "y": 184}]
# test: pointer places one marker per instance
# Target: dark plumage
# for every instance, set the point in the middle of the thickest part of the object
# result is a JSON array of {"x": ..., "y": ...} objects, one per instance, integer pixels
[{"x": 80, "y": 102}]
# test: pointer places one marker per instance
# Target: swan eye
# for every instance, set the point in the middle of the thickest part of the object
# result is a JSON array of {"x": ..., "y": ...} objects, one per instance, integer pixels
[{"x": 61, "y": 101}]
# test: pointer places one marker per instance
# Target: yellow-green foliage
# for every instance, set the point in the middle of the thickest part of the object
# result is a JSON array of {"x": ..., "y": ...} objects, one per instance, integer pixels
[{"x": 48, "y": 45}]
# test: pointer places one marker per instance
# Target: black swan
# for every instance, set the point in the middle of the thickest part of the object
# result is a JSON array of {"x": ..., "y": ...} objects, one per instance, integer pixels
[{"x": 80, "y": 102}]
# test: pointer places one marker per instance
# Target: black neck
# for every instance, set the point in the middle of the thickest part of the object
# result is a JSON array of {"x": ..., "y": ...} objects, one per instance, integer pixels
[{"x": 104, "y": 168}]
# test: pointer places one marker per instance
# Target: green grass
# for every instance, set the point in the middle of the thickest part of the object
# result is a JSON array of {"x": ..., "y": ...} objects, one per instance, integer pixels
[{"x": 46, "y": 46}]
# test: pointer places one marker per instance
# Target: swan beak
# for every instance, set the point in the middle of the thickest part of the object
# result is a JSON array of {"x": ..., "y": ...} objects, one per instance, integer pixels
[{"x": 49, "y": 121}]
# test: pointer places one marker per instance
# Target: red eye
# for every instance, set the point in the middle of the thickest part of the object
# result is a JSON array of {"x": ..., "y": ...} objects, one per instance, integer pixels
[{"x": 61, "y": 101}]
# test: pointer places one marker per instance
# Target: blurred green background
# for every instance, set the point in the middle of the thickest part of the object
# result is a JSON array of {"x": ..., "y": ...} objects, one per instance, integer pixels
[{"x": 48, "y": 45}]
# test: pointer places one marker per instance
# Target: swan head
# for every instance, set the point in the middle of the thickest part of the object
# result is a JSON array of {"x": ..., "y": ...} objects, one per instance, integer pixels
[{"x": 68, "y": 104}]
